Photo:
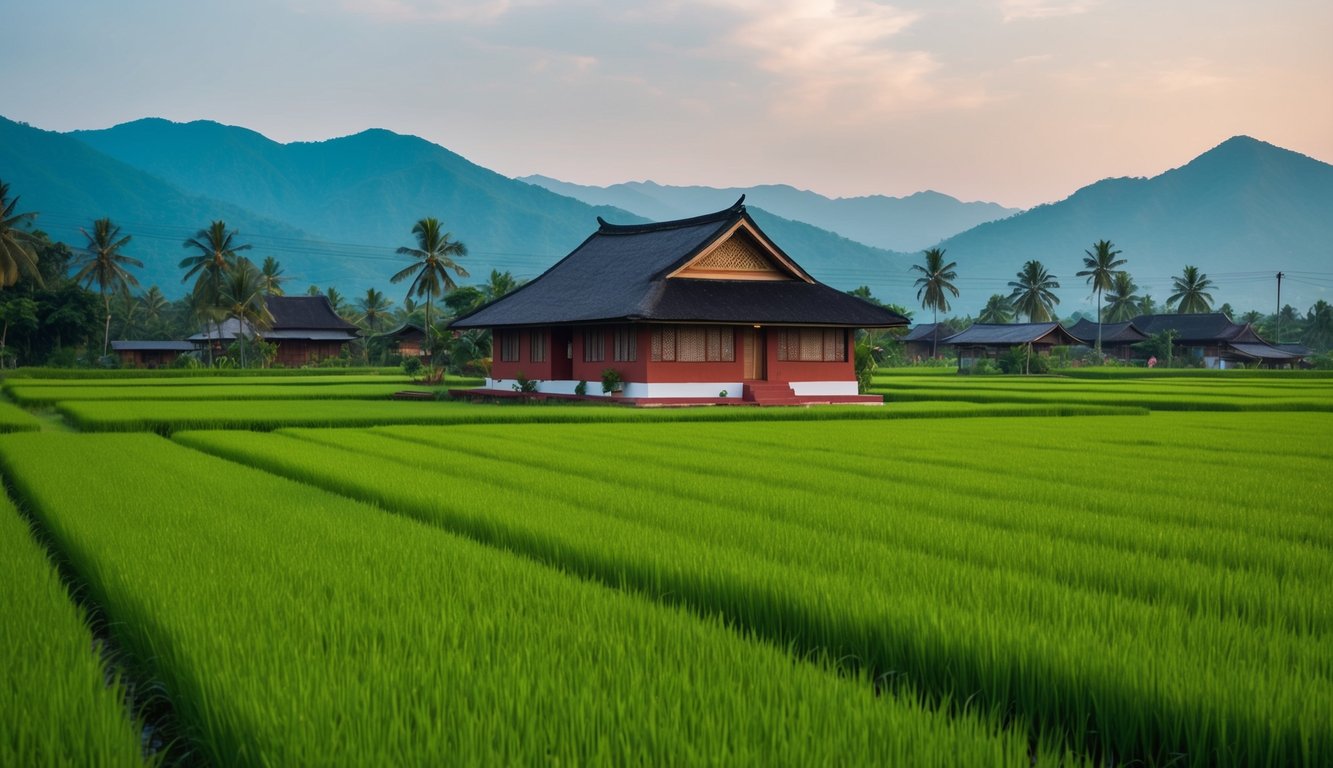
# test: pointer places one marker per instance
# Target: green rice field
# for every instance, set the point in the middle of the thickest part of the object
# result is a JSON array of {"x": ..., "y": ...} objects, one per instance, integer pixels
[{"x": 1103, "y": 570}]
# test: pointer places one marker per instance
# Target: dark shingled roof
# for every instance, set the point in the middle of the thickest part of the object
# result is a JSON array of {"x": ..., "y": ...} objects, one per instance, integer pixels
[
  {"x": 925, "y": 331},
  {"x": 406, "y": 329},
  {"x": 1112, "y": 333},
  {"x": 1198, "y": 328},
  {"x": 305, "y": 313},
  {"x": 1009, "y": 334},
  {"x": 151, "y": 345},
  {"x": 620, "y": 273},
  {"x": 1263, "y": 351},
  {"x": 308, "y": 318}
]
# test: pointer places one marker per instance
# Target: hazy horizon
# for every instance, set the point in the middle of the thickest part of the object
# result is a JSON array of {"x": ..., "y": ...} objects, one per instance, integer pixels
[{"x": 1017, "y": 102}]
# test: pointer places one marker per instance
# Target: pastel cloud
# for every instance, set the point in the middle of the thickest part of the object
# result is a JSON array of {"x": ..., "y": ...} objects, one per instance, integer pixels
[{"x": 1013, "y": 10}]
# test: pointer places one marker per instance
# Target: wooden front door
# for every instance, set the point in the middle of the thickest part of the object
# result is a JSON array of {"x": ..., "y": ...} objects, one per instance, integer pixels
[{"x": 753, "y": 348}]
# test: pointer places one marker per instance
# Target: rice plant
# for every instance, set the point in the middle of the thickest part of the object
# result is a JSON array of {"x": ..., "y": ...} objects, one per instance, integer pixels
[
  {"x": 1138, "y": 623},
  {"x": 288, "y": 625},
  {"x": 58, "y": 704}
]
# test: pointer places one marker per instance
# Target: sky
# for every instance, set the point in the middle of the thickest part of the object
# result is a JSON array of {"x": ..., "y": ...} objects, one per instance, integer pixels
[{"x": 1019, "y": 102}]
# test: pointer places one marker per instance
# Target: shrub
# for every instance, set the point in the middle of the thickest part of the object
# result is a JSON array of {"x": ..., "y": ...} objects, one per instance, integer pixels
[
  {"x": 523, "y": 384},
  {"x": 412, "y": 366},
  {"x": 611, "y": 381},
  {"x": 581, "y": 388}
]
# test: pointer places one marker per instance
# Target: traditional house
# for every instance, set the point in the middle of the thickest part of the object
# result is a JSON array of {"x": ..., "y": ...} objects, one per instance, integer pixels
[
  {"x": 151, "y": 353},
  {"x": 706, "y": 309},
  {"x": 1212, "y": 339},
  {"x": 407, "y": 340},
  {"x": 1118, "y": 339},
  {"x": 305, "y": 330},
  {"x": 926, "y": 340},
  {"x": 987, "y": 341}
]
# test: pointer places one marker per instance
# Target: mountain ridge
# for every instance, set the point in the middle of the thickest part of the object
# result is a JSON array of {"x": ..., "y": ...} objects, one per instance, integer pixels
[{"x": 902, "y": 224}]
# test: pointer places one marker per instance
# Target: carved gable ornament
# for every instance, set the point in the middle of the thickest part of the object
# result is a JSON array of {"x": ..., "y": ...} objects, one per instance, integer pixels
[{"x": 738, "y": 255}]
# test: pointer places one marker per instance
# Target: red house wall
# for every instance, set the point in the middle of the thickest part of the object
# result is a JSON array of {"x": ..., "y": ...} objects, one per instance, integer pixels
[
  {"x": 797, "y": 370},
  {"x": 644, "y": 369}
]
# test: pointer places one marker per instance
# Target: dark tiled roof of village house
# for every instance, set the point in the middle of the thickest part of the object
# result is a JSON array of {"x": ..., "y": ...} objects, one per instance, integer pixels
[
  {"x": 1200, "y": 327},
  {"x": 305, "y": 313},
  {"x": 1008, "y": 334},
  {"x": 620, "y": 273},
  {"x": 1112, "y": 333},
  {"x": 925, "y": 331}
]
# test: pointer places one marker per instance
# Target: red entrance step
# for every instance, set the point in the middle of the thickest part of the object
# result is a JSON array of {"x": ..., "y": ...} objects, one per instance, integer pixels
[{"x": 769, "y": 393}]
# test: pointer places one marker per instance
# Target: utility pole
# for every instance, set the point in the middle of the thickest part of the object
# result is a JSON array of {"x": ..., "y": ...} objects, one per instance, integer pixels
[{"x": 1277, "y": 328}]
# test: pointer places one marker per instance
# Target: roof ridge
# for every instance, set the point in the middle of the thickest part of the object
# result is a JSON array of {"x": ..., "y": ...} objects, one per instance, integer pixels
[{"x": 607, "y": 228}]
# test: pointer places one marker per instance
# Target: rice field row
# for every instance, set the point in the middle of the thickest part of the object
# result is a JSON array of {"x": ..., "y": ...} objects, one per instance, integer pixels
[
  {"x": 43, "y": 395},
  {"x": 166, "y": 416},
  {"x": 155, "y": 374},
  {"x": 292, "y": 626},
  {"x": 57, "y": 703},
  {"x": 1062, "y": 570},
  {"x": 1174, "y": 393},
  {"x": 15, "y": 419},
  {"x": 239, "y": 381}
]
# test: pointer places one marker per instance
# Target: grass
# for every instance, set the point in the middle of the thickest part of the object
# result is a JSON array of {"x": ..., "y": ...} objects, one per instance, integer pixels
[
  {"x": 292, "y": 626},
  {"x": 59, "y": 703},
  {"x": 15, "y": 419},
  {"x": 1030, "y": 566},
  {"x": 185, "y": 373},
  {"x": 45, "y": 395},
  {"x": 1200, "y": 393},
  {"x": 165, "y": 416}
]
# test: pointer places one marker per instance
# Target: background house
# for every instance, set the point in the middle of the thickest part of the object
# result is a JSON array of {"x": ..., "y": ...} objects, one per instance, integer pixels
[{"x": 305, "y": 330}]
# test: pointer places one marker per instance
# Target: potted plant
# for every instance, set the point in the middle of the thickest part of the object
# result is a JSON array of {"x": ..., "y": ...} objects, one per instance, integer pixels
[{"x": 611, "y": 381}]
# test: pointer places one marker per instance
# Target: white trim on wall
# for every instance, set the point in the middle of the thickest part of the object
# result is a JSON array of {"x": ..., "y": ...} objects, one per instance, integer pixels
[{"x": 814, "y": 388}]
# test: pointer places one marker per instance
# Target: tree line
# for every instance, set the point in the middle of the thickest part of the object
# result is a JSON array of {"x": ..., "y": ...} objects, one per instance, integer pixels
[
  {"x": 1032, "y": 296},
  {"x": 56, "y": 302}
]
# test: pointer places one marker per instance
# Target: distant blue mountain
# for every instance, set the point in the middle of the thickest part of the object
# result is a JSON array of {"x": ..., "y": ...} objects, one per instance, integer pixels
[
  {"x": 69, "y": 184},
  {"x": 333, "y": 212},
  {"x": 1240, "y": 212},
  {"x": 904, "y": 224}
]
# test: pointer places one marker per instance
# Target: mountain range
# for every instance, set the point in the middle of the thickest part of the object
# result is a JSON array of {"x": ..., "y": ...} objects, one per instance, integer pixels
[
  {"x": 904, "y": 224},
  {"x": 333, "y": 212}
]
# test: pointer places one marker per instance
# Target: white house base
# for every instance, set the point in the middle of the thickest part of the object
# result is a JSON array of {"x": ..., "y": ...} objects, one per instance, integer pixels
[{"x": 817, "y": 388}]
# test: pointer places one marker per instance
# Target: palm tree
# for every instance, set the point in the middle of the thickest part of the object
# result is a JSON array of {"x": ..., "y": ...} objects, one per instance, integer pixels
[
  {"x": 217, "y": 250},
  {"x": 999, "y": 310},
  {"x": 104, "y": 264},
  {"x": 1319, "y": 325},
  {"x": 154, "y": 303},
  {"x": 435, "y": 254},
  {"x": 1033, "y": 293},
  {"x": 1191, "y": 292},
  {"x": 936, "y": 280},
  {"x": 1099, "y": 266},
  {"x": 498, "y": 284},
  {"x": 373, "y": 309},
  {"x": 243, "y": 297},
  {"x": 18, "y": 246},
  {"x": 1123, "y": 300},
  {"x": 271, "y": 276},
  {"x": 1147, "y": 305}
]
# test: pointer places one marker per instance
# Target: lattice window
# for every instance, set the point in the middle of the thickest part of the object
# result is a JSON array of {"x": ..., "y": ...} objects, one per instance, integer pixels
[
  {"x": 664, "y": 343},
  {"x": 537, "y": 347},
  {"x": 694, "y": 344},
  {"x": 828, "y": 345},
  {"x": 691, "y": 344},
  {"x": 509, "y": 346},
  {"x": 594, "y": 346},
  {"x": 626, "y": 344}
]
